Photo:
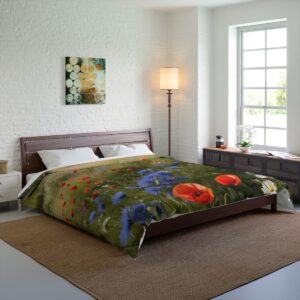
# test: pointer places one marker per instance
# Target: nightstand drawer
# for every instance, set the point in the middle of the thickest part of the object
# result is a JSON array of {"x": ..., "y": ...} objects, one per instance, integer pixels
[
  {"x": 8, "y": 194},
  {"x": 9, "y": 182}
]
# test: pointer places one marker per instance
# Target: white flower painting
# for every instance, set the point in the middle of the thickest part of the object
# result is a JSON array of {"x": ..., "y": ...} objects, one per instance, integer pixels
[{"x": 85, "y": 80}]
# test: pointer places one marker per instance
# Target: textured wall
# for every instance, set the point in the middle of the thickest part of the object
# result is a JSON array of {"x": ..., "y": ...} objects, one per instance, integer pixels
[
  {"x": 190, "y": 48},
  {"x": 205, "y": 83},
  {"x": 183, "y": 53},
  {"x": 35, "y": 37}
]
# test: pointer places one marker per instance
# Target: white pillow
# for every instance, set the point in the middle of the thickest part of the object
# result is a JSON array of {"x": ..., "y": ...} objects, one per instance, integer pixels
[
  {"x": 33, "y": 176},
  {"x": 124, "y": 150},
  {"x": 66, "y": 157}
]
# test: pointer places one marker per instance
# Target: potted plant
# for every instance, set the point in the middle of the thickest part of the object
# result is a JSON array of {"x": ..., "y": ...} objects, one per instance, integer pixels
[{"x": 245, "y": 145}]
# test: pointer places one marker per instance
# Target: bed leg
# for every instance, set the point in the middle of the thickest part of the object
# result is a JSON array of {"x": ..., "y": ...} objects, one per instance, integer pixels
[{"x": 274, "y": 207}]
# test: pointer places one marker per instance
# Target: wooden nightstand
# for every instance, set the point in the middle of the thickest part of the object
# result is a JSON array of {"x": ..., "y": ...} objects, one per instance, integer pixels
[{"x": 10, "y": 186}]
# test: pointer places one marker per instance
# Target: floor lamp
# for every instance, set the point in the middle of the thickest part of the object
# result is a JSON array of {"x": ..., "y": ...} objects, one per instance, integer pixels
[{"x": 169, "y": 80}]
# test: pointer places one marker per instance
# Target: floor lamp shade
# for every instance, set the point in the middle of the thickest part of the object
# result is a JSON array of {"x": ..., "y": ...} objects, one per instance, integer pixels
[{"x": 169, "y": 78}]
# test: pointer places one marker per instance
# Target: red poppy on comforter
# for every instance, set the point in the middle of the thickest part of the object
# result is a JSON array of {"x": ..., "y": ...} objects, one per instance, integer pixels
[
  {"x": 194, "y": 192},
  {"x": 228, "y": 179}
]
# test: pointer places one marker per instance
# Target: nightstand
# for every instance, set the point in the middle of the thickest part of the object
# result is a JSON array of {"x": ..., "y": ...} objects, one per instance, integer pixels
[{"x": 10, "y": 186}]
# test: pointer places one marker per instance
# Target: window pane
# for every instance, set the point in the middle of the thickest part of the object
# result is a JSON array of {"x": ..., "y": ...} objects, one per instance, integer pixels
[
  {"x": 258, "y": 138},
  {"x": 276, "y": 38},
  {"x": 253, "y": 59},
  {"x": 254, "y": 78},
  {"x": 254, "y": 40},
  {"x": 276, "y": 58},
  {"x": 276, "y": 118},
  {"x": 276, "y": 78},
  {"x": 253, "y": 116},
  {"x": 277, "y": 98},
  {"x": 264, "y": 84},
  {"x": 254, "y": 97},
  {"x": 276, "y": 137}
]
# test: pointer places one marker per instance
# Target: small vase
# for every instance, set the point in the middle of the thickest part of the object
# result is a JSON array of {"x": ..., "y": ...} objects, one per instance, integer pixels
[{"x": 245, "y": 149}]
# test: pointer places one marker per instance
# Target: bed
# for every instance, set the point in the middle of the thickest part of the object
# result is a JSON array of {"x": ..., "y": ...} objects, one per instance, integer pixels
[{"x": 31, "y": 163}]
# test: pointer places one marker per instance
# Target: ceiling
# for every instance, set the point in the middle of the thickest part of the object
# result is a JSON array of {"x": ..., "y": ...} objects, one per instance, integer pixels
[{"x": 179, "y": 3}]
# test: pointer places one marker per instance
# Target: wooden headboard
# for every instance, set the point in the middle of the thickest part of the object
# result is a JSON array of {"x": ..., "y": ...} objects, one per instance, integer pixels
[{"x": 31, "y": 162}]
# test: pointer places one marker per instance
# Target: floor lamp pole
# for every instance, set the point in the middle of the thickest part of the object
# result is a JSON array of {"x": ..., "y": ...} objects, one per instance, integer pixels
[{"x": 169, "y": 93}]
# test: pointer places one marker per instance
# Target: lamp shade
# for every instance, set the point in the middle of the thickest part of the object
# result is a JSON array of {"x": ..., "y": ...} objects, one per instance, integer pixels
[{"x": 169, "y": 78}]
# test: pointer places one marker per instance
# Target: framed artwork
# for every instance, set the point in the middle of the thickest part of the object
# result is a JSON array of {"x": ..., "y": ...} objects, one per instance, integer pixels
[{"x": 85, "y": 80}]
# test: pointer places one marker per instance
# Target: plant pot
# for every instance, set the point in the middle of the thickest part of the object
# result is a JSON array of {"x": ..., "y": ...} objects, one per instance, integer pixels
[{"x": 245, "y": 149}]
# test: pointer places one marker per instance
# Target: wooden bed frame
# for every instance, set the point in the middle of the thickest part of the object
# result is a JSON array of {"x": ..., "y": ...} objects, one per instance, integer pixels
[{"x": 31, "y": 163}]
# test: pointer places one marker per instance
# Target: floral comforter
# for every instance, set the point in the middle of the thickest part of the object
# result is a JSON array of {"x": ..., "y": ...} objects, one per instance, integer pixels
[{"x": 117, "y": 199}]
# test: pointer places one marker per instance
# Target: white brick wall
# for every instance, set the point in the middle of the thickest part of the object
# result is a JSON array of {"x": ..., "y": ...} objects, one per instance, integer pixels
[
  {"x": 35, "y": 37},
  {"x": 189, "y": 41}
]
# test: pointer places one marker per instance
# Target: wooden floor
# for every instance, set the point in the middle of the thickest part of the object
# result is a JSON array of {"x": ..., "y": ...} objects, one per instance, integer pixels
[{"x": 15, "y": 283}]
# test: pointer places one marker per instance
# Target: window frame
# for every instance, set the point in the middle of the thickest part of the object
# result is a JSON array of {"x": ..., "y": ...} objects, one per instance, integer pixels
[{"x": 240, "y": 75}]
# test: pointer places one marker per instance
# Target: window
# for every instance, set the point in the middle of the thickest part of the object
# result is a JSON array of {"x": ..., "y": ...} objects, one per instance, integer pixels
[{"x": 263, "y": 82}]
